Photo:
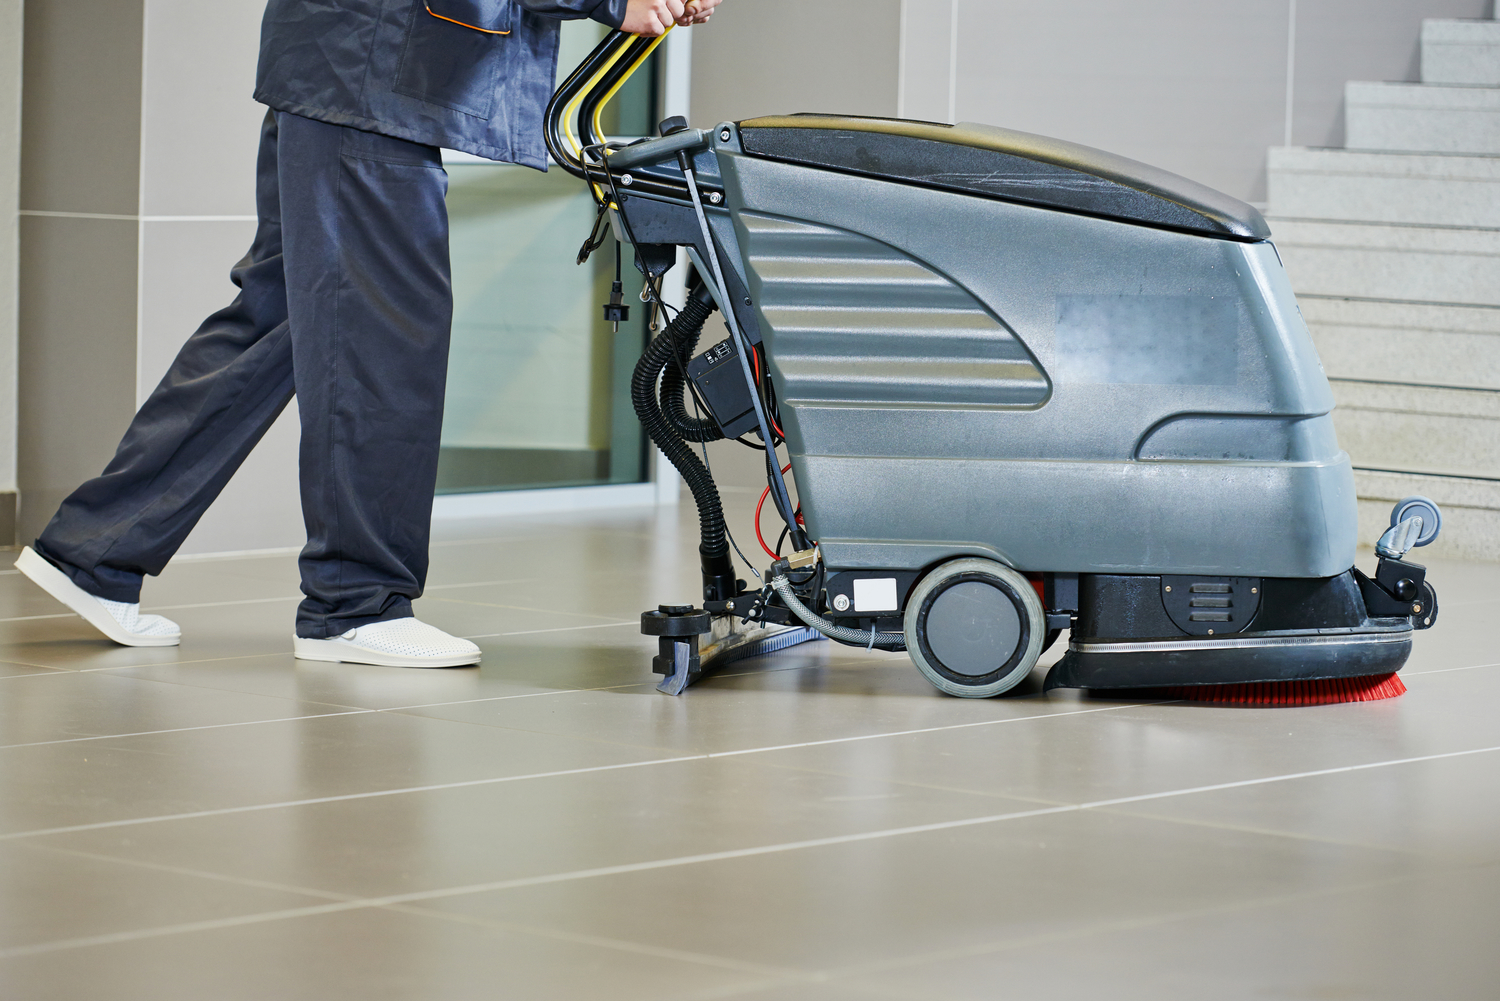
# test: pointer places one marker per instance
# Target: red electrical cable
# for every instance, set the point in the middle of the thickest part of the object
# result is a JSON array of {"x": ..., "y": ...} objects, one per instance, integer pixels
[
  {"x": 755, "y": 355},
  {"x": 760, "y": 504}
]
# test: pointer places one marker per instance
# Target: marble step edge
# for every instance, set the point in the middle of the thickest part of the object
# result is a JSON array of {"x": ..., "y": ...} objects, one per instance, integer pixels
[
  {"x": 1327, "y": 161},
  {"x": 1391, "y": 485},
  {"x": 1398, "y": 316},
  {"x": 1368, "y": 95},
  {"x": 1416, "y": 399},
  {"x": 1475, "y": 31},
  {"x": 1335, "y": 234}
]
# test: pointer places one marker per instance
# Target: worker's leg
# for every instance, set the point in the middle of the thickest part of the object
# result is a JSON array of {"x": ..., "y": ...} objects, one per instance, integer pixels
[
  {"x": 225, "y": 388},
  {"x": 370, "y": 304}
]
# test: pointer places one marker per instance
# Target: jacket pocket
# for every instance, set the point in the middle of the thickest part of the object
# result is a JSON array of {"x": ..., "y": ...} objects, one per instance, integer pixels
[
  {"x": 452, "y": 53},
  {"x": 489, "y": 16}
]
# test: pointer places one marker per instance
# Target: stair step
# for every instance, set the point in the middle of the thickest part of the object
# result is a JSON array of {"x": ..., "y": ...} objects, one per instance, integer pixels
[
  {"x": 1422, "y": 118},
  {"x": 1404, "y": 263},
  {"x": 1454, "y": 432},
  {"x": 1461, "y": 52},
  {"x": 1432, "y": 345},
  {"x": 1471, "y": 513},
  {"x": 1410, "y": 188}
]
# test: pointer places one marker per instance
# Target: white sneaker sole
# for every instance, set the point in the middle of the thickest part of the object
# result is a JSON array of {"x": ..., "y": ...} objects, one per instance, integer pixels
[
  {"x": 340, "y": 651},
  {"x": 56, "y": 583}
]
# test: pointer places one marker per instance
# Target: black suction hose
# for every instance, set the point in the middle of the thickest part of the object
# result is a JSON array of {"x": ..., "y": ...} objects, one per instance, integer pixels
[
  {"x": 713, "y": 551},
  {"x": 686, "y": 329}
]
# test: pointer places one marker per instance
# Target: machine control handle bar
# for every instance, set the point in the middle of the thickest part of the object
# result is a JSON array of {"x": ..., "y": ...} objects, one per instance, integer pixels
[{"x": 650, "y": 151}]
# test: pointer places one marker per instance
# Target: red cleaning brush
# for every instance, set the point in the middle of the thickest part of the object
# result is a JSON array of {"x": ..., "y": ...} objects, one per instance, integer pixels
[{"x": 1327, "y": 691}]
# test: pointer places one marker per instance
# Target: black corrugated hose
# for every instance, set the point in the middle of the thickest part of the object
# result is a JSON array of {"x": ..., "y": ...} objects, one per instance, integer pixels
[
  {"x": 713, "y": 550},
  {"x": 685, "y": 331}
]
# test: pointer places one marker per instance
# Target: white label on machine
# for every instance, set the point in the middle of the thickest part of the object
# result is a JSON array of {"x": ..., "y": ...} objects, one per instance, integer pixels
[{"x": 877, "y": 594}]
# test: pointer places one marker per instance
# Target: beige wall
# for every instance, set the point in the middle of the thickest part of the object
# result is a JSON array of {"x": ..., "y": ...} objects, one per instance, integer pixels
[
  {"x": 775, "y": 57},
  {"x": 80, "y": 179},
  {"x": 1197, "y": 86},
  {"x": 199, "y": 134},
  {"x": 139, "y": 139},
  {"x": 10, "y": 191}
]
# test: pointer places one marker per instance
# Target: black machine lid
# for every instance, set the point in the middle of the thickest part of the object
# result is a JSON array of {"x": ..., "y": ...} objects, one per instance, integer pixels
[{"x": 1004, "y": 164}]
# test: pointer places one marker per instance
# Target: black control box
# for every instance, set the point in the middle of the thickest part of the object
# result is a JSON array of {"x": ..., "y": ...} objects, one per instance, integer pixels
[{"x": 721, "y": 383}]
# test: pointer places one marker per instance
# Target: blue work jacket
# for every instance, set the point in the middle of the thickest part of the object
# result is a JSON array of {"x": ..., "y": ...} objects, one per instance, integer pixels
[{"x": 473, "y": 75}]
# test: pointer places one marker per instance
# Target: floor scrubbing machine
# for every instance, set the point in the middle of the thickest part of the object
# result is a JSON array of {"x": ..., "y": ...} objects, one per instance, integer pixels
[{"x": 1023, "y": 386}]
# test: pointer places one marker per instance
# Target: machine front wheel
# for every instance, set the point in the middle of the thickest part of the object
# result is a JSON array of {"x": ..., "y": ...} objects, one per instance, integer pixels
[{"x": 975, "y": 627}]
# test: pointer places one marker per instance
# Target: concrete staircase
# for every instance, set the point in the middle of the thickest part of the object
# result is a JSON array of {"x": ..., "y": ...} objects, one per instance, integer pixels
[{"x": 1393, "y": 247}]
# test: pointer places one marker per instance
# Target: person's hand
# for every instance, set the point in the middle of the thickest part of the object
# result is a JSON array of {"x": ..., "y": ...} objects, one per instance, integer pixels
[
  {"x": 698, "y": 11},
  {"x": 654, "y": 17}
]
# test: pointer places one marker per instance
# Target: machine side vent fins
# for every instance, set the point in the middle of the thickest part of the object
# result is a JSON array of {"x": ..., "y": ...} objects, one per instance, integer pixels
[
  {"x": 1204, "y": 606},
  {"x": 856, "y": 322}
]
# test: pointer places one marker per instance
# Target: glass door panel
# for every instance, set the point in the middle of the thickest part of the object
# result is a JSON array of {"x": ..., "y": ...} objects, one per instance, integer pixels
[{"x": 538, "y": 383}]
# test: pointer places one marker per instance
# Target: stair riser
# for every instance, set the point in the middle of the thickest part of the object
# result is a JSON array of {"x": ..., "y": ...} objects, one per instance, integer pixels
[
  {"x": 1455, "y": 446},
  {"x": 1422, "y": 119},
  {"x": 1390, "y": 262},
  {"x": 1364, "y": 197},
  {"x": 1440, "y": 358},
  {"x": 1461, "y": 52},
  {"x": 1386, "y": 274}
]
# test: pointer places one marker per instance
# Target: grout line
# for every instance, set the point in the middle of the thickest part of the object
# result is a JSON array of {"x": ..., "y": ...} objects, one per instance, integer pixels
[
  {"x": 1073, "y": 935},
  {"x": 188, "y": 729},
  {"x": 1445, "y": 670},
  {"x": 222, "y": 604},
  {"x": 470, "y": 783},
  {"x": 1269, "y": 832},
  {"x": 929, "y": 729},
  {"x": 560, "y": 629},
  {"x": 684, "y": 860},
  {"x": 619, "y": 945},
  {"x": 346, "y": 797},
  {"x": 254, "y": 884},
  {"x": 33, "y": 618},
  {"x": 519, "y": 608}
]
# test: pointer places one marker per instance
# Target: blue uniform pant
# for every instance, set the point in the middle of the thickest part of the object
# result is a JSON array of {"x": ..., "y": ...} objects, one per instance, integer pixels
[{"x": 345, "y": 302}]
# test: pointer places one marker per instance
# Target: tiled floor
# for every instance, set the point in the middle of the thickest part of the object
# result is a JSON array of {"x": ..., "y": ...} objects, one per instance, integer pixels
[{"x": 221, "y": 822}]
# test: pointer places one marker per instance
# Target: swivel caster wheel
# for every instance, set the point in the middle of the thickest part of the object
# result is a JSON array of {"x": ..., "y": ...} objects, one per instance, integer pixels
[
  {"x": 975, "y": 628},
  {"x": 1431, "y": 515}
]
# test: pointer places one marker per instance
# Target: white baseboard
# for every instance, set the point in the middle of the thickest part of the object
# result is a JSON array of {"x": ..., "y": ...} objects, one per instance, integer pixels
[{"x": 507, "y": 502}]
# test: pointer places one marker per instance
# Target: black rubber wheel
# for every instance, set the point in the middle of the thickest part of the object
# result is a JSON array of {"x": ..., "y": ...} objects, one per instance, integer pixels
[{"x": 975, "y": 628}]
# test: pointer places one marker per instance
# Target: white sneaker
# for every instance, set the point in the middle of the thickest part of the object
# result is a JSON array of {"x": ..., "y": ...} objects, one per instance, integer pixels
[
  {"x": 392, "y": 643},
  {"x": 120, "y": 621}
]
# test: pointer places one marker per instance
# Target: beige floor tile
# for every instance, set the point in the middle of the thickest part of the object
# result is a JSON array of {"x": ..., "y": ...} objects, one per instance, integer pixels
[
  {"x": 814, "y": 692},
  {"x": 52, "y": 896},
  {"x": 451, "y": 838},
  {"x": 1448, "y": 808},
  {"x": 66, "y": 706},
  {"x": 352, "y": 685},
  {"x": 1276, "y": 889},
  {"x": 1137, "y": 750},
  {"x": 364, "y": 955},
  {"x": 126, "y": 778},
  {"x": 1426, "y": 937},
  {"x": 846, "y": 906}
]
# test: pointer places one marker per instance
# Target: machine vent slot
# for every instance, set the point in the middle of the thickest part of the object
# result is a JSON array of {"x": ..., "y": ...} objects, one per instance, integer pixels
[
  {"x": 1213, "y": 606},
  {"x": 856, "y": 322}
]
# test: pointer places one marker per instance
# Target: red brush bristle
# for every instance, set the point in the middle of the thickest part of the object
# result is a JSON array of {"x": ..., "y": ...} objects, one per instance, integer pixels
[{"x": 1327, "y": 691}]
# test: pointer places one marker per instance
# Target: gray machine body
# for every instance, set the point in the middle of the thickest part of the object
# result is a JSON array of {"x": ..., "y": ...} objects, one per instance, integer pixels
[{"x": 962, "y": 375}]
